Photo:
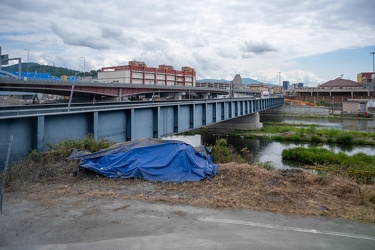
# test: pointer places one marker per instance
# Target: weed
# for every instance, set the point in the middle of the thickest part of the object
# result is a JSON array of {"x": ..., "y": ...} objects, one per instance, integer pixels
[
  {"x": 221, "y": 152},
  {"x": 311, "y": 129},
  {"x": 344, "y": 138},
  {"x": 43, "y": 166},
  {"x": 324, "y": 178},
  {"x": 266, "y": 165},
  {"x": 360, "y": 167},
  {"x": 315, "y": 139},
  {"x": 224, "y": 153}
]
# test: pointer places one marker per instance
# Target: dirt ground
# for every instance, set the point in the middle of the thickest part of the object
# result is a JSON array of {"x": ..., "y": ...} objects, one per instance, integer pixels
[{"x": 236, "y": 186}]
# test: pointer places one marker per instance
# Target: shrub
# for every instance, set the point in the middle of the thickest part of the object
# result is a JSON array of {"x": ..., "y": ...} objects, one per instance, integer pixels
[
  {"x": 311, "y": 129},
  {"x": 344, "y": 138},
  {"x": 315, "y": 139},
  {"x": 360, "y": 167},
  {"x": 302, "y": 132},
  {"x": 266, "y": 165},
  {"x": 295, "y": 137},
  {"x": 221, "y": 153}
]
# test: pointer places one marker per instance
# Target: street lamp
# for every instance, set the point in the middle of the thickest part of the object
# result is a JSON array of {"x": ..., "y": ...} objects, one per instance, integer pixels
[
  {"x": 373, "y": 69},
  {"x": 84, "y": 74},
  {"x": 28, "y": 60}
]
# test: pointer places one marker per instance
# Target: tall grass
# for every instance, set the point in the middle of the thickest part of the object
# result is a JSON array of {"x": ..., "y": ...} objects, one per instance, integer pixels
[
  {"x": 64, "y": 148},
  {"x": 222, "y": 152},
  {"x": 359, "y": 166},
  {"x": 51, "y": 164},
  {"x": 310, "y": 133}
]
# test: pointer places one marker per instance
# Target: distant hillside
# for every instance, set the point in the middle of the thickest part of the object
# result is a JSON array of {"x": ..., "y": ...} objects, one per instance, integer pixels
[
  {"x": 244, "y": 80},
  {"x": 249, "y": 81},
  {"x": 54, "y": 71},
  {"x": 212, "y": 80}
]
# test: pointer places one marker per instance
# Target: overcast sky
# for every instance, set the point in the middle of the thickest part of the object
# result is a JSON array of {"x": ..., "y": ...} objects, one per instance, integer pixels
[{"x": 307, "y": 41}]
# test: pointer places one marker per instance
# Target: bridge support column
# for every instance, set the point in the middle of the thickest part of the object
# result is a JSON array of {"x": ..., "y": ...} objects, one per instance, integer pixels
[
  {"x": 40, "y": 134},
  {"x": 95, "y": 125},
  {"x": 205, "y": 95},
  {"x": 248, "y": 122},
  {"x": 178, "y": 96}
]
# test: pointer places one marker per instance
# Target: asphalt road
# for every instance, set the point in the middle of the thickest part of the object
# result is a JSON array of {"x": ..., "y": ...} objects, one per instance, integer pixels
[{"x": 78, "y": 223}]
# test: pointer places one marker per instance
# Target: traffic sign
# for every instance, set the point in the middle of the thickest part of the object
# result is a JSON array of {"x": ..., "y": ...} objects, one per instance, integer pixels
[{"x": 4, "y": 59}]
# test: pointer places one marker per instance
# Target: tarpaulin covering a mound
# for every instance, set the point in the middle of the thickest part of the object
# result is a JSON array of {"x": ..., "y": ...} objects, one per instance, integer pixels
[{"x": 150, "y": 159}]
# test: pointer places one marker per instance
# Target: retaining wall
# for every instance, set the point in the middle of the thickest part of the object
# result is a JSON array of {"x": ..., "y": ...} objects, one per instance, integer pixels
[{"x": 307, "y": 110}]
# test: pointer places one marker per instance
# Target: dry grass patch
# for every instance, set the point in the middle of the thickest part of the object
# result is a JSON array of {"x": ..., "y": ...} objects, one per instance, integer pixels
[{"x": 236, "y": 186}]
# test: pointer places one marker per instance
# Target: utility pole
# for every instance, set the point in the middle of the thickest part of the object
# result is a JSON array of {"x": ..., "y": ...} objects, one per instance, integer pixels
[
  {"x": 28, "y": 60},
  {"x": 373, "y": 68},
  {"x": 84, "y": 74}
]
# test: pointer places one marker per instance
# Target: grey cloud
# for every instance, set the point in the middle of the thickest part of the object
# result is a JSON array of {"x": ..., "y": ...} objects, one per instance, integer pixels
[
  {"x": 205, "y": 63},
  {"x": 247, "y": 55},
  {"x": 156, "y": 44},
  {"x": 257, "y": 47},
  {"x": 200, "y": 42},
  {"x": 111, "y": 33},
  {"x": 78, "y": 37},
  {"x": 115, "y": 33},
  {"x": 226, "y": 53}
]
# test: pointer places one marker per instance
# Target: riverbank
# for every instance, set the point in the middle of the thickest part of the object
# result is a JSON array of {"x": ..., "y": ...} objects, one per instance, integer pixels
[
  {"x": 47, "y": 177},
  {"x": 236, "y": 186}
]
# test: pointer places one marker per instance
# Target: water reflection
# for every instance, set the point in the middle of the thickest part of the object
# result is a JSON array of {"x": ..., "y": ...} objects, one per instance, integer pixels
[{"x": 270, "y": 151}]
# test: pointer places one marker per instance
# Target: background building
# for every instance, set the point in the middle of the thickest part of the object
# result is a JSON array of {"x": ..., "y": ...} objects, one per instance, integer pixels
[
  {"x": 138, "y": 73},
  {"x": 365, "y": 77},
  {"x": 285, "y": 85}
]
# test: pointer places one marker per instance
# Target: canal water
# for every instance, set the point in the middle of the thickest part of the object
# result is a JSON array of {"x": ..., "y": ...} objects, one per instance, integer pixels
[{"x": 270, "y": 151}]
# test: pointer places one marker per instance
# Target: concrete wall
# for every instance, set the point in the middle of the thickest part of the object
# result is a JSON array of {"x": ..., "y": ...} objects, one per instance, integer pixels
[
  {"x": 350, "y": 107},
  {"x": 308, "y": 110}
]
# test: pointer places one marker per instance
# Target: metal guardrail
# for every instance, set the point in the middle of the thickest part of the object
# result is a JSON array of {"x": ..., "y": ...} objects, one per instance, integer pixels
[
  {"x": 10, "y": 81},
  {"x": 96, "y": 107}
]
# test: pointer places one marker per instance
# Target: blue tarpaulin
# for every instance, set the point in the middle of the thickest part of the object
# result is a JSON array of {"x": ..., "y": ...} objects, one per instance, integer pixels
[{"x": 150, "y": 159}]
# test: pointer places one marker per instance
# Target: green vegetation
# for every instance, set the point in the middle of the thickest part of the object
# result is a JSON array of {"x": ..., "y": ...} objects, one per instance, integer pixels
[
  {"x": 224, "y": 153},
  {"x": 54, "y": 71},
  {"x": 360, "y": 166},
  {"x": 310, "y": 133}
]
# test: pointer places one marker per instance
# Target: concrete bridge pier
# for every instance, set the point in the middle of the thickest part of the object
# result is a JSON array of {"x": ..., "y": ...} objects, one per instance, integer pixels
[
  {"x": 178, "y": 96},
  {"x": 248, "y": 122},
  {"x": 205, "y": 95}
]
